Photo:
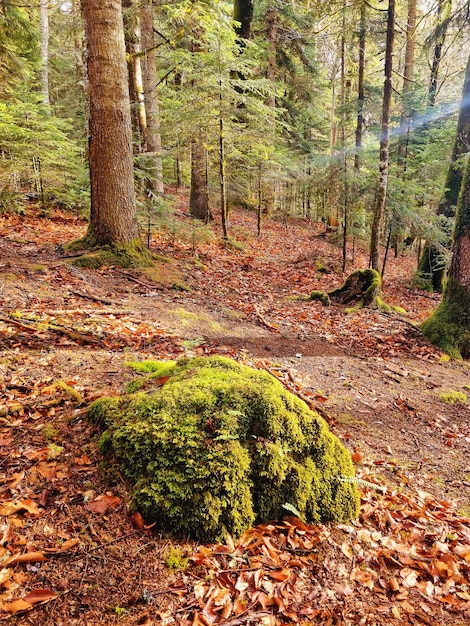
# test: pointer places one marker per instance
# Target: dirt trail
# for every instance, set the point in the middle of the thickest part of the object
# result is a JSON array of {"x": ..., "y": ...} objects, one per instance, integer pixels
[{"x": 372, "y": 376}]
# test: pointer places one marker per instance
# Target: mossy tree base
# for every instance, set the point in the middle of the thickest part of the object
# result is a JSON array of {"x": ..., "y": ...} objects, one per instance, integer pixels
[
  {"x": 362, "y": 289},
  {"x": 449, "y": 325},
  {"x": 91, "y": 255},
  {"x": 211, "y": 446}
]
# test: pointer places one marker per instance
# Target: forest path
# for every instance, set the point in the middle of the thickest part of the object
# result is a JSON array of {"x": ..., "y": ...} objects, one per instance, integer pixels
[{"x": 373, "y": 377}]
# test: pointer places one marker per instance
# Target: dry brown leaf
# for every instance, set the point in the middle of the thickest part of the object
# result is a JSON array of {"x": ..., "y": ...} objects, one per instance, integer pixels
[
  {"x": 102, "y": 503},
  {"x": 27, "y": 557},
  {"x": 9, "y": 508},
  {"x": 16, "y": 606},
  {"x": 39, "y": 595},
  {"x": 70, "y": 543},
  {"x": 347, "y": 550}
]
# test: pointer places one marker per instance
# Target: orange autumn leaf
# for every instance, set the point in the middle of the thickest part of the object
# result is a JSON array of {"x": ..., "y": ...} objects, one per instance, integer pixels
[
  {"x": 102, "y": 503},
  {"x": 39, "y": 595},
  {"x": 27, "y": 557},
  {"x": 16, "y": 606}
]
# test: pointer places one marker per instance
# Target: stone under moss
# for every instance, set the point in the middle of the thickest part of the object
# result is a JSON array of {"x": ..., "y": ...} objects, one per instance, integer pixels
[{"x": 212, "y": 446}]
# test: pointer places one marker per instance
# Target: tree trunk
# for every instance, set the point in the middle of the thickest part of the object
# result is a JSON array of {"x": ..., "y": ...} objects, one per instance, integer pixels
[
  {"x": 243, "y": 14},
  {"x": 199, "y": 196},
  {"x": 113, "y": 208},
  {"x": 444, "y": 10},
  {"x": 44, "y": 22},
  {"x": 271, "y": 36},
  {"x": 153, "y": 139},
  {"x": 449, "y": 326},
  {"x": 408, "y": 74},
  {"x": 360, "y": 85},
  {"x": 381, "y": 197},
  {"x": 431, "y": 270}
]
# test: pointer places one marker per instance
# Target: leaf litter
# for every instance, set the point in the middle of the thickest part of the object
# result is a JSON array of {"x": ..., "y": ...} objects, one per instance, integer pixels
[{"x": 72, "y": 552}]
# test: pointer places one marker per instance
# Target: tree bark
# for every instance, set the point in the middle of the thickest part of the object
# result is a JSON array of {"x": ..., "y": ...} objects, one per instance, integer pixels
[
  {"x": 381, "y": 198},
  {"x": 113, "y": 208},
  {"x": 199, "y": 196},
  {"x": 153, "y": 138},
  {"x": 432, "y": 266},
  {"x": 408, "y": 74},
  {"x": 44, "y": 22},
  {"x": 243, "y": 14},
  {"x": 271, "y": 36},
  {"x": 449, "y": 326},
  {"x": 360, "y": 85},
  {"x": 444, "y": 10}
]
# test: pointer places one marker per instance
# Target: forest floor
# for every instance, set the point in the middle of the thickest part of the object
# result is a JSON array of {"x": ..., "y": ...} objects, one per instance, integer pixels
[{"x": 71, "y": 553}]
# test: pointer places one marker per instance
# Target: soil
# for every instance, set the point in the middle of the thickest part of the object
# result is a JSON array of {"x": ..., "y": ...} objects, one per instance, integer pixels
[{"x": 376, "y": 380}]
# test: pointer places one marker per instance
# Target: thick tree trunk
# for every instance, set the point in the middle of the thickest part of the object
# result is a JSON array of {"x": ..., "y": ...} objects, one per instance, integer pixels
[
  {"x": 381, "y": 198},
  {"x": 449, "y": 326},
  {"x": 44, "y": 22},
  {"x": 432, "y": 266},
  {"x": 113, "y": 209},
  {"x": 153, "y": 139}
]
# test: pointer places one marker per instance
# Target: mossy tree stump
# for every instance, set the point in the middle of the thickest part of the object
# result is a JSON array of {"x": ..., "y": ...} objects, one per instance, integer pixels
[
  {"x": 210, "y": 446},
  {"x": 362, "y": 288}
]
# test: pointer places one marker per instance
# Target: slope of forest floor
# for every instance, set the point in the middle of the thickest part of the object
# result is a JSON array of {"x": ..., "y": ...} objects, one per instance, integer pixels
[{"x": 71, "y": 552}]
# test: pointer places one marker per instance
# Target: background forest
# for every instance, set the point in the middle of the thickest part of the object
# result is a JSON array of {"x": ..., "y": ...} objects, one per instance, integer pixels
[
  {"x": 282, "y": 109},
  {"x": 190, "y": 181}
]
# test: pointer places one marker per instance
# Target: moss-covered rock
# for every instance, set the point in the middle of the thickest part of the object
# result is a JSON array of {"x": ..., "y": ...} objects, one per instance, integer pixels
[{"x": 212, "y": 446}]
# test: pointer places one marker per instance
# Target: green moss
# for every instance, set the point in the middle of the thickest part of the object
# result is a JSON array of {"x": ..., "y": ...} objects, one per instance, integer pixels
[
  {"x": 233, "y": 244},
  {"x": 176, "y": 558},
  {"x": 449, "y": 325},
  {"x": 389, "y": 308},
  {"x": 453, "y": 397},
  {"x": 362, "y": 286},
  {"x": 219, "y": 446},
  {"x": 157, "y": 368},
  {"x": 177, "y": 286},
  {"x": 322, "y": 296},
  {"x": 50, "y": 433},
  {"x": 89, "y": 255},
  {"x": 71, "y": 392}
]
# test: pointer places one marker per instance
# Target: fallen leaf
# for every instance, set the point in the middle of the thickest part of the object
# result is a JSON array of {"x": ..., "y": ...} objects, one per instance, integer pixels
[
  {"x": 102, "y": 503},
  {"x": 27, "y": 557},
  {"x": 39, "y": 595},
  {"x": 9, "y": 508},
  {"x": 347, "y": 550},
  {"x": 16, "y": 606},
  {"x": 138, "y": 520}
]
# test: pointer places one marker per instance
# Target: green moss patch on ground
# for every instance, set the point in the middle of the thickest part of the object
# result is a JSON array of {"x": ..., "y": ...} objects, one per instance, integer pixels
[{"x": 216, "y": 446}]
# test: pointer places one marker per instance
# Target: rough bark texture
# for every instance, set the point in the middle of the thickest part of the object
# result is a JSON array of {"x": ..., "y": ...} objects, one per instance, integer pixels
[
  {"x": 153, "y": 139},
  {"x": 113, "y": 209},
  {"x": 381, "y": 197},
  {"x": 432, "y": 266},
  {"x": 449, "y": 326},
  {"x": 199, "y": 196}
]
